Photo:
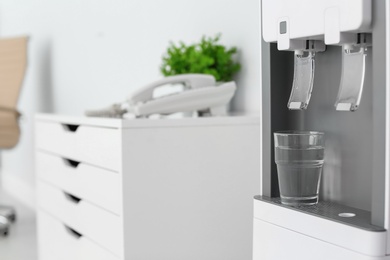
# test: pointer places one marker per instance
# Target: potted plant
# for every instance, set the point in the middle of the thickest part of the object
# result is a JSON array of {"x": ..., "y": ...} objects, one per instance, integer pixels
[{"x": 206, "y": 57}]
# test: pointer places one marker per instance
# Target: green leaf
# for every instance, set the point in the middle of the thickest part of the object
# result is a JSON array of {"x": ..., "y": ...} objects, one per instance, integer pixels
[{"x": 207, "y": 57}]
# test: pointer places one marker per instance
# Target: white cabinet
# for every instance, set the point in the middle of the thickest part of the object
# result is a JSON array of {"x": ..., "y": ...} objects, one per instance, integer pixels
[{"x": 146, "y": 189}]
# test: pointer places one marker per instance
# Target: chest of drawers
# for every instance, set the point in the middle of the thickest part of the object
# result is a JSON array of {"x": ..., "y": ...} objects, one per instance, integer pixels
[{"x": 146, "y": 189}]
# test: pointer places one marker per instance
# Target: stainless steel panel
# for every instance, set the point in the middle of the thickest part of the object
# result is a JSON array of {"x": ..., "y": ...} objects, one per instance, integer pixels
[
  {"x": 380, "y": 89},
  {"x": 348, "y": 165}
]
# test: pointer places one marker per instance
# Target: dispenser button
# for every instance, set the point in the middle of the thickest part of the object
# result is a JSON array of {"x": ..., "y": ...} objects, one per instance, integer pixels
[{"x": 283, "y": 27}]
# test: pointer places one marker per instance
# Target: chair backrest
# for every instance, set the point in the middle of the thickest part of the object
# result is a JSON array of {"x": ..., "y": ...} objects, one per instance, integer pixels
[{"x": 13, "y": 63}]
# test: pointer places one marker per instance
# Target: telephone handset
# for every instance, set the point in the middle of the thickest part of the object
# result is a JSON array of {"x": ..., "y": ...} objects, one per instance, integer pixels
[
  {"x": 199, "y": 95},
  {"x": 188, "y": 80}
]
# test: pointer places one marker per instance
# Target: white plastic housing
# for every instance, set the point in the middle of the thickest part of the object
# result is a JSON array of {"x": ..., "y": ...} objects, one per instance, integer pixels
[
  {"x": 293, "y": 233},
  {"x": 284, "y": 21}
]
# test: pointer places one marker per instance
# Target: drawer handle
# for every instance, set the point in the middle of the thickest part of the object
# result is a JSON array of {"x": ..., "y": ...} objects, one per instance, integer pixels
[
  {"x": 72, "y": 198},
  {"x": 73, "y": 232},
  {"x": 71, "y": 163},
  {"x": 70, "y": 127}
]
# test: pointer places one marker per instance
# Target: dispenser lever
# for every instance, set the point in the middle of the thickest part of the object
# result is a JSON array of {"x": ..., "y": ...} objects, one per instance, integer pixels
[
  {"x": 352, "y": 74},
  {"x": 304, "y": 64}
]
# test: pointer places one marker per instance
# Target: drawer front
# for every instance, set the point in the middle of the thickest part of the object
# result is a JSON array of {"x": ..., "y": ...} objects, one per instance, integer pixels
[
  {"x": 96, "y": 185},
  {"x": 95, "y": 223},
  {"x": 56, "y": 240},
  {"x": 94, "y": 145}
]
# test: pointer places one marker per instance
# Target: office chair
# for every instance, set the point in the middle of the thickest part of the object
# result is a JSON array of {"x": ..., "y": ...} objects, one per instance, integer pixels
[{"x": 13, "y": 61}]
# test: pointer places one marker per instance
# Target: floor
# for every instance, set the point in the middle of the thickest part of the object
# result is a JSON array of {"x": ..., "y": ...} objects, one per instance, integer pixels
[{"x": 21, "y": 243}]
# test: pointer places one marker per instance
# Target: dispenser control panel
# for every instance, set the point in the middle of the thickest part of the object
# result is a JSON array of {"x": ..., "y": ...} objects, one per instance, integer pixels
[{"x": 326, "y": 20}]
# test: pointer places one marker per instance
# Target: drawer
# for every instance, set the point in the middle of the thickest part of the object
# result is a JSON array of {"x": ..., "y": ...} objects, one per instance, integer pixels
[
  {"x": 95, "y": 223},
  {"x": 58, "y": 241},
  {"x": 81, "y": 180},
  {"x": 94, "y": 145}
]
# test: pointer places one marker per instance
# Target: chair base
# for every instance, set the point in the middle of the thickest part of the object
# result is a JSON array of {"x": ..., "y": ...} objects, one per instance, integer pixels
[
  {"x": 4, "y": 226},
  {"x": 8, "y": 212}
]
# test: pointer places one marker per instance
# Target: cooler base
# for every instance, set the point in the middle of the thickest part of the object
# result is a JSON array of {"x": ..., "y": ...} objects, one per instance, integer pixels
[{"x": 271, "y": 242}]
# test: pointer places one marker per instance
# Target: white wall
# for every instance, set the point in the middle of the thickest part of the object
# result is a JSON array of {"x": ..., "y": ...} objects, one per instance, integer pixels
[{"x": 88, "y": 54}]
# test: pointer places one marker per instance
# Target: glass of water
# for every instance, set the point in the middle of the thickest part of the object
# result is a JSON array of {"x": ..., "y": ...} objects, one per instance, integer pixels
[{"x": 299, "y": 156}]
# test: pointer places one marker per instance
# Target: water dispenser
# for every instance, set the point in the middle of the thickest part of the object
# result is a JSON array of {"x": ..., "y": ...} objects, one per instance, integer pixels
[{"x": 325, "y": 67}]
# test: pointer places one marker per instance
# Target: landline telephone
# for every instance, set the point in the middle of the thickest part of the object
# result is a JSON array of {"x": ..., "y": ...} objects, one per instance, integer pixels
[{"x": 200, "y": 94}]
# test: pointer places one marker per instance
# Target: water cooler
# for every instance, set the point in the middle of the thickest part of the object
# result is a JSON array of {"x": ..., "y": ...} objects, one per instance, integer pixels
[{"x": 325, "y": 67}]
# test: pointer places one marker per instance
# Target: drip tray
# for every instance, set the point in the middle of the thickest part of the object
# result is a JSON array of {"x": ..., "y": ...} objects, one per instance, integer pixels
[{"x": 332, "y": 211}]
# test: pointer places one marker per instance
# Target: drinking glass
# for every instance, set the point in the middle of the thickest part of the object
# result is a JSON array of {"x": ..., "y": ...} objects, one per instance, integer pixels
[{"x": 299, "y": 156}]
